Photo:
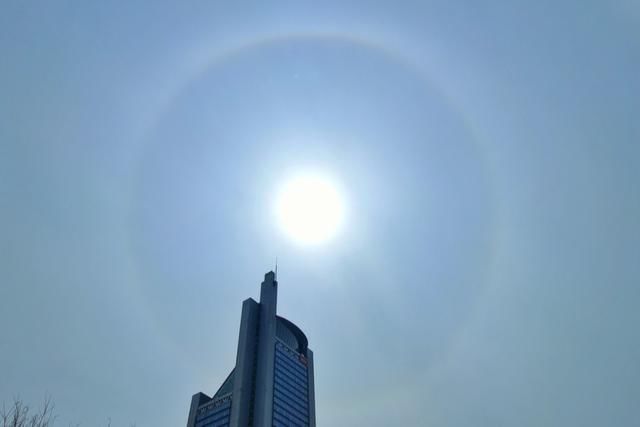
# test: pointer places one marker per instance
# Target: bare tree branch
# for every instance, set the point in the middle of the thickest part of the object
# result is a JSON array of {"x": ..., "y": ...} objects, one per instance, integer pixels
[{"x": 17, "y": 415}]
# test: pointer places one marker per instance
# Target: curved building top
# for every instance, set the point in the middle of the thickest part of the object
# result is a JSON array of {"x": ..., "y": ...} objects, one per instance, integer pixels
[{"x": 291, "y": 335}]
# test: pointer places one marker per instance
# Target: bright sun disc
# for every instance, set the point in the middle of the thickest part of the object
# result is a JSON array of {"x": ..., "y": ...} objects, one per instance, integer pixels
[{"x": 310, "y": 209}]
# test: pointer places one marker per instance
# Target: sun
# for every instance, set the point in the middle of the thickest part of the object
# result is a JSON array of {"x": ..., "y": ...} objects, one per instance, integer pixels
[{"x": 310, "y": 209}]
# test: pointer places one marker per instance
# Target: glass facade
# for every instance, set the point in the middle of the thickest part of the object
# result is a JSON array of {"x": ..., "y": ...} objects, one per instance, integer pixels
[
  {"x": 214, "y": 414},
  {"x": 290, "y": 388}
]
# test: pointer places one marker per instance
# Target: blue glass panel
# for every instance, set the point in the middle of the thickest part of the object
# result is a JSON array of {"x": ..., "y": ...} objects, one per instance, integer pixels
[{"x": 290, "y": 389}]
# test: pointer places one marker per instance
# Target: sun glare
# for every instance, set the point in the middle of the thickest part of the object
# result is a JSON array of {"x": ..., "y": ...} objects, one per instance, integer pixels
[{"x": 310, "y": 209}]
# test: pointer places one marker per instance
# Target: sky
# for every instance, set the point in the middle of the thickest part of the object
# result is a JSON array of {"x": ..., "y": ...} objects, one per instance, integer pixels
[{"x": 487, "y": 271}]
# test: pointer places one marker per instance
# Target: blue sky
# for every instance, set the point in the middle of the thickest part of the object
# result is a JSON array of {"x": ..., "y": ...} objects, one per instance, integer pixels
[{"x": 487, "y": 274}]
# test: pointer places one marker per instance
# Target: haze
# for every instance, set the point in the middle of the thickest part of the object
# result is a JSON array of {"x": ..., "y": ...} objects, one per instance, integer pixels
[{"x": 486, "y": 275}]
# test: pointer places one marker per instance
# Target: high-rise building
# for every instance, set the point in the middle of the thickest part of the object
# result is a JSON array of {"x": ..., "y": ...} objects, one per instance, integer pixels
[{"x": 272, "y": 382}]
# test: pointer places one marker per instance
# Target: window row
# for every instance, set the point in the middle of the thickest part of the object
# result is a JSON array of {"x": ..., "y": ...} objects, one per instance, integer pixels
[
  {"x": 289, "y": 366},
  {"x": 296, "y": 365},
  {"x": 292, "y": 354},
  {"x": 286, "y": 415},
  {"x": 294, "y": 403},
  {"x": 293, "y": 392},
  {"x": 295, "y": 376},
  {"x": 288, "y": 379},
  {"x": 302, "y": 415},
  {"x": 293, "y": 384},
  {"x": 215, "y": 405},
  {"x": 214, "y": 418}
]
